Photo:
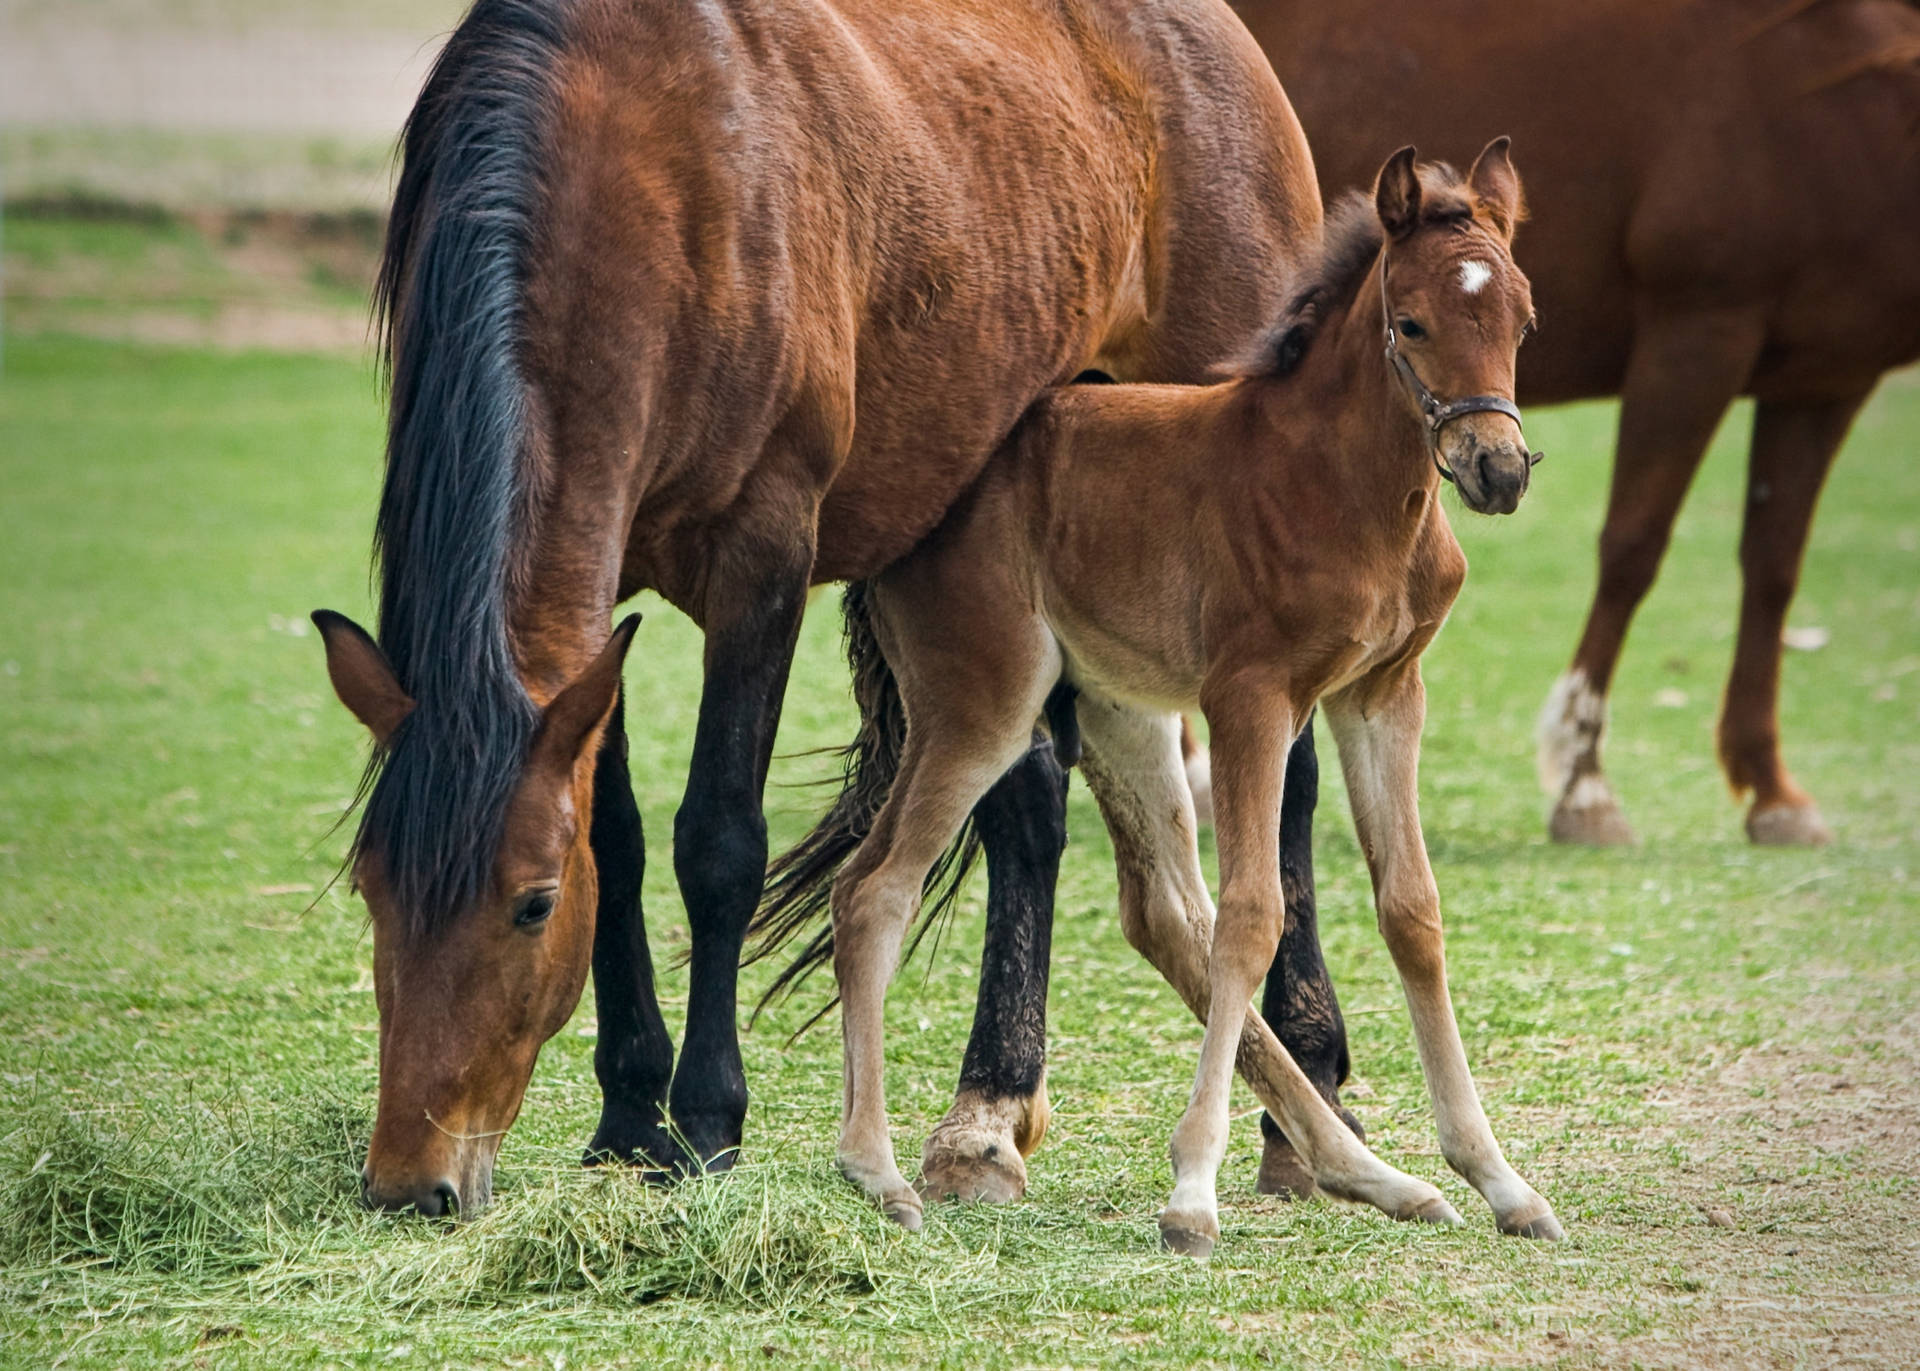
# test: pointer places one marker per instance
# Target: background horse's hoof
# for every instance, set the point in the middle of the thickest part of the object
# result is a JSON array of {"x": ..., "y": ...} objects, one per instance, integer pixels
[
  {"x": 994, "y": 1174},
  {"x": 1283, "y": 1172},
  {"x": 1589, "y": 816},
  {"x": 1188, "y": 1236},
  {"x": 1543, "y": 1228},
  {"x": 1788, "y": 826},
  {"x": 646, "y": 1147}
]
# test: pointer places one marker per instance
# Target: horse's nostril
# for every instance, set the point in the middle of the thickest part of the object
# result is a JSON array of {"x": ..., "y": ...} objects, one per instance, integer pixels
[{"x": 444, "y": 1201}]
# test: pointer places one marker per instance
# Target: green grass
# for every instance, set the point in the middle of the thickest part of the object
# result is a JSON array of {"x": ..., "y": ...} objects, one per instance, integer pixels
[{"x": 187, "y": 1051}]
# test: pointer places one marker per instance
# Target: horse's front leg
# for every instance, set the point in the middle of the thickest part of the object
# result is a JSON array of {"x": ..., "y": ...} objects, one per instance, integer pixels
[
  {"x": 1380, "y": 756},
  {"x": 720, "y": 833},
  {"x": 632, "y": 1054},
  {"x": 1000, "y": 1112}
]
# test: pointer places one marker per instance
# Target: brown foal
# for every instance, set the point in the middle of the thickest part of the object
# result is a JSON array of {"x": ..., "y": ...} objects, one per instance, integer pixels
[{"x": 1256, "y": 548}]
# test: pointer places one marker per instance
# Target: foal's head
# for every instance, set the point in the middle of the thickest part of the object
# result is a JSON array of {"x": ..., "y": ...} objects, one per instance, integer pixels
[
  {"x": 1455, "y": 309},
  {"x": 471, "y": 976}
]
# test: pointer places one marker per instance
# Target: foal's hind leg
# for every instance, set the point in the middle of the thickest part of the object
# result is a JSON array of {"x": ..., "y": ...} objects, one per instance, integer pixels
[
  {"x": 1683, "y": 373},
  {"x": 1133, "y": 767},
  {"x": 1793, "y": 449},
  {"x": 1000, "y": 1112},
  {"x": 970, "y": 710},
  {"x": 632, "y": 1054}
]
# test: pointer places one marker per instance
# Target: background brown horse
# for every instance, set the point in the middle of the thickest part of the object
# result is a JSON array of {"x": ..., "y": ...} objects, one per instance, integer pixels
[
  {"x": 723, "y": 300},
  {"x": 1726, "y": 202}
]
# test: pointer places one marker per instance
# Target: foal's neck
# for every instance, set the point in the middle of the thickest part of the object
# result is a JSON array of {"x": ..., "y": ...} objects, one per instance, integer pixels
[{"x": 1346, "y": 408}]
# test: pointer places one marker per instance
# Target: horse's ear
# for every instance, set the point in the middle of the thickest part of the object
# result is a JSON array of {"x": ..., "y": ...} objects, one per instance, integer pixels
[
  {"x": 361, "y": 675},
  {"x": 1498, "y": 185},
  {"x": 573, "y": 714},
  {"x": 1396, "y": 195}
]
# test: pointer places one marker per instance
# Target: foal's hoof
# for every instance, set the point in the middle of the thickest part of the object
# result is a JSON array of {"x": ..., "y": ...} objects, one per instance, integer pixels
[
  {"x": 1589, "y": 816},
  {"x": 1788, "y": 826},
  {"x": 644, "y": 1146},
  {"x": 1542, "y": 1227},
  {"x": 1283, "y": 1172},
  {"x": 1189, "y": 1235},
  {"x": 905, "y": 1210},
  {"x": 984, "y": 1170},
  {"x": 1436, "y": 1211}
]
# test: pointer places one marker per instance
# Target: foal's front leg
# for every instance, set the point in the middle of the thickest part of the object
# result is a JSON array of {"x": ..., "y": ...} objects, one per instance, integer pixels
[
  {"x": 1252, "y": 723},
  {"x": 1378, "y": 723}
]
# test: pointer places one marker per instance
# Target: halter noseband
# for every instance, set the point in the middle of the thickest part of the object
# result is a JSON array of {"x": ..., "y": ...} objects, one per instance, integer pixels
[{"x": 1437, "y": 413}]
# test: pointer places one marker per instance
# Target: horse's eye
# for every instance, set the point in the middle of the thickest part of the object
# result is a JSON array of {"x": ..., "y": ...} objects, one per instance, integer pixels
[
  {"x": 532, "y": 909},
  {"x": 1411, "y": 331}
]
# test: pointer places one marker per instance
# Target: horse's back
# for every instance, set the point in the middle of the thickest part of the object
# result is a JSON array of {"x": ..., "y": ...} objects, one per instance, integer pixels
[{"x": 871, "y": 233}]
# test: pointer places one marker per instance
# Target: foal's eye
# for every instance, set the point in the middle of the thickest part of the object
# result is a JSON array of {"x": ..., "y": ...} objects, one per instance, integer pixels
[
  {"x": 532, "y": 909},
  {"x": 1411, "y": 331}
]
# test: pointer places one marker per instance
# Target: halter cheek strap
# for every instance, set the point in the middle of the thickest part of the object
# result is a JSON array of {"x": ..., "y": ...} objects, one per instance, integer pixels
[{"x": 1438, "y": 413}]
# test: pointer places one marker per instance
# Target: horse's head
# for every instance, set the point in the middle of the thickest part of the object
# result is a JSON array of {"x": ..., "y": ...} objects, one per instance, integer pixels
[
  {"x": 467, "y": 993},
  {"x": 1456, "y": 309}
]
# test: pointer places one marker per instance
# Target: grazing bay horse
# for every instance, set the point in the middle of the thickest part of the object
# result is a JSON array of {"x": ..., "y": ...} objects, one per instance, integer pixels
[
  {"x": 1729, "y": 192},
  {"x": 723, "y": 300},
  {"x": 1256, "y": 548}
]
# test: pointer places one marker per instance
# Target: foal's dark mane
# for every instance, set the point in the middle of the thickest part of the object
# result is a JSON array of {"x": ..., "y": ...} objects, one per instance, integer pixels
[
  {"x": 455, "y": 502},
  {"x": 1349, "y": 243}
]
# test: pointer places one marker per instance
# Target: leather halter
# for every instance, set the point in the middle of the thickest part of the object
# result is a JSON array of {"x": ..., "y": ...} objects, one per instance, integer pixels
[{"x": 1436, "y": 412}]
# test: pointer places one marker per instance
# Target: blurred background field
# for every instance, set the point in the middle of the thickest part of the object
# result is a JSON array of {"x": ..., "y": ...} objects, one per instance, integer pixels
[{"x": 1704, "y": 1053}]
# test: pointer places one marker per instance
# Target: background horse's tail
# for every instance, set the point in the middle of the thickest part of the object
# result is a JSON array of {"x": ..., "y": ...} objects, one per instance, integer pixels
[{"x": 800, "y": 880}]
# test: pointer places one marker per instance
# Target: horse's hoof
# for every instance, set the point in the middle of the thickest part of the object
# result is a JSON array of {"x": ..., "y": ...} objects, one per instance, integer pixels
[
  {"x": 1589, "y": 816},
  {"x": 905, "y": 1211},
  {"x": 1788, "y": 826},
  {"x": 993, "y": 1174},
  {"x": 1283, "y": 1172},
  {"x": 645, "y": 1147},
  {"x": 1189, "y": 1236},
  {"x": 1542, "y": 1227}
]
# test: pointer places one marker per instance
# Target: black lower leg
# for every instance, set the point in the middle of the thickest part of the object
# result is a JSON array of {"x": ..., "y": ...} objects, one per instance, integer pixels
[
  {"x": 632, "y": 1056},
  {"x": 720, "y": 858},
  {"x": 1023, "y": 826},
  {"x": 1299, "y": 1004}
]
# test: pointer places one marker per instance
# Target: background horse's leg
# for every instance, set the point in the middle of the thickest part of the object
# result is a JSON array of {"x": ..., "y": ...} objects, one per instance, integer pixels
[
  {"x": 1299, "y": 1004},
  {"x": 1682, "y": 374},
  {"x": 720, "y": 840},
  {"x": 1793, "y": 449},
  {"x": 632, "y": 1056},
  {"x": 999, "y": 1113}
]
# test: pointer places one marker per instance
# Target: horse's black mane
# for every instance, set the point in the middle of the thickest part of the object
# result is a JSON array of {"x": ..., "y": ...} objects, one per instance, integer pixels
[
  {"x": 1349, "y": 243},
  {"x": 453, "y": 507}
]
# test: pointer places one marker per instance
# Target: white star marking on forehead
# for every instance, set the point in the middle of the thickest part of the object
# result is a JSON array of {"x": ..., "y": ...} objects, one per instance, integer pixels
[{"x": 1474, "y": 275}]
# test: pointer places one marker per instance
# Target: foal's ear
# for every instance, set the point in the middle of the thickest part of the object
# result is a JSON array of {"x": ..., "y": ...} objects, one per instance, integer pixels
[
  {"x": 1396, "y": 195},
  {"x": 576, "y": 711},
  {"x": 361, "y": 675},
  {"x": 1498, "y": 185}
]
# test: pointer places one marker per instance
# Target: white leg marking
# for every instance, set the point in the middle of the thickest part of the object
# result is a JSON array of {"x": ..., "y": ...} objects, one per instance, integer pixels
[
  {"x": 1571, "y": 727},
  {"x": 1200, "y": 782}
]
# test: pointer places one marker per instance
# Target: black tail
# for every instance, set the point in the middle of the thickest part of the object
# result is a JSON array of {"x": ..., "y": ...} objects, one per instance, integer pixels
[{"x": 800, "y": 881}]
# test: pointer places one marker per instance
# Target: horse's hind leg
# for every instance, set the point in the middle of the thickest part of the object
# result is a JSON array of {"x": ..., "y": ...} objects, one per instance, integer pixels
[
  {"x": 1300, "y": 1005},
  {"x": 720, "y": 832},
  {"x": 1793, "y": 449},
  {"x": 1683, "y": 373},
  {"x": 1133, "y": 766},
  {"x": 632, "y": 1054},
  {"x": 999, "y": 1113}
]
